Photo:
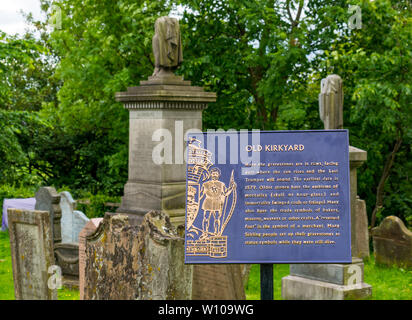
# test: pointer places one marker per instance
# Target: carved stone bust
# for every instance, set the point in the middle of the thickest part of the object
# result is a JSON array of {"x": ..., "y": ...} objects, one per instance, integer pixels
[
  {"x": 331, "y": 102},
  {"x": 167, "y": 45}
]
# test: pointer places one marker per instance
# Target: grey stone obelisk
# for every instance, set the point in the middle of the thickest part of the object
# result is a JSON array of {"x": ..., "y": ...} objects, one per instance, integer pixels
[
  {"x": 335, "y": 281},
  {"x": 162, "y": 109}
]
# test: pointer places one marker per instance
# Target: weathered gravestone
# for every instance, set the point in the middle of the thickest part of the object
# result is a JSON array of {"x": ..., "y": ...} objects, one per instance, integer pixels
[
  {"x": 47, "y": 199},
  {"x": 67, "y": 252},
  {"x": 31, "y": 247},
  {"x": 335, "y": 281},
  {"x": 163, "y": 105},
  {"x": 143, "y": 262},
  {"x": 88, "y": 229},
  {"x": 392, "y": 243},
  {"x": 72, "y": 221}
]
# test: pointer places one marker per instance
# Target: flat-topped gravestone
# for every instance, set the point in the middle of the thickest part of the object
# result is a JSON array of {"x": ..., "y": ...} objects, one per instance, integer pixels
[
  {"x": 47, "y": 199},
  {"x": 392, "y": 243},
  {"x": 32, "y": 254}
]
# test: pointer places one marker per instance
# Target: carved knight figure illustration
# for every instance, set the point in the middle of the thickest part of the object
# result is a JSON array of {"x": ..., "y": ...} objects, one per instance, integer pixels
[
  {"x": 215, "y": 193},
  {"x": 167, "y": 45}
]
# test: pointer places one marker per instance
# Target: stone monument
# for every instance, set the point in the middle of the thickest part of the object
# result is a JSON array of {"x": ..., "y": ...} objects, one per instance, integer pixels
[
  {"x": 31, "y": 247},
  {"x": 162, "y": 106},
  {"x": 392, "y": 243},
  {"x": 335, "y": 281}
]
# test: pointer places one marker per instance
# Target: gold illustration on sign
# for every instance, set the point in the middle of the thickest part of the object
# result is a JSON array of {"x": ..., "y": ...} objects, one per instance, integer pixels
[{"x": 206, "y": 192}]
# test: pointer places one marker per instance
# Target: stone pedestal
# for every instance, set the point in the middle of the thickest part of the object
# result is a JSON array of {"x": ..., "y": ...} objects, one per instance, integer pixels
[
  {"x": 326, "y": 282},
  {"x": 162, "y": 110},
  {"x": 336, "y": 281}
]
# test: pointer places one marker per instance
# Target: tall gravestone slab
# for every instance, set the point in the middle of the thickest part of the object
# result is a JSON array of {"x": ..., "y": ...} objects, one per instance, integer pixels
[
  {"x": 31, "y": 247},
  {"x": 72, "y": 221},
  {"x": 335, "y": 281},
  {"x": 67, "y": 252},
  {"x": 47, "y": 199},
  {"x": 392, "y": 243},
  {"x": 144, "y": 262},
  {"x": 88, "y": 229}
]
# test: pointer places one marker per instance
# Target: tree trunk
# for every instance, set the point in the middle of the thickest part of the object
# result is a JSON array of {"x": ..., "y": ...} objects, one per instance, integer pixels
[{"x": 385, "y": 174}]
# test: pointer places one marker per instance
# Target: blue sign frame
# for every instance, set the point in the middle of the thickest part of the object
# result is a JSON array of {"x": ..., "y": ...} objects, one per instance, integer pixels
[{"x": 268, "y": 197}]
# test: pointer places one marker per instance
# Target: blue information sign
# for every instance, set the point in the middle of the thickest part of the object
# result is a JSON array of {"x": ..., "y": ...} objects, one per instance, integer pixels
[{"x": 268, "y": 197}]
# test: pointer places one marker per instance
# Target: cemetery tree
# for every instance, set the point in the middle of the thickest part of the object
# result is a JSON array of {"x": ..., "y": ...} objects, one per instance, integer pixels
[
  {"x": 376, "y": 62},
  {"x": 26, "y": 69},
  {"x": 258, "y": 57}
]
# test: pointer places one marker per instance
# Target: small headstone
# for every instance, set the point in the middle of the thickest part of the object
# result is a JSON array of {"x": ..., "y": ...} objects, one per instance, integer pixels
[
  {"x": 32, "y": 254},
  {"x": 392, "y": 243},
  {"x": 47, "y": 199},
  {"x": 72, "y": 221},
  {"x": 143, "y": 262},
  {"x": 88, "y": 229}
]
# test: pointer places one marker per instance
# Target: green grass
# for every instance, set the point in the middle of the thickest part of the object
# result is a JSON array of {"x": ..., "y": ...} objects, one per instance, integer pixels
[
  {"x": 6, "y": 274},
  {"x": 387, "y": 283}
]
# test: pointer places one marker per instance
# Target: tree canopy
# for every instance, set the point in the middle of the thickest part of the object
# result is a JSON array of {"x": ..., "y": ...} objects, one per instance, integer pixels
[{"x": 265, "y": 60}]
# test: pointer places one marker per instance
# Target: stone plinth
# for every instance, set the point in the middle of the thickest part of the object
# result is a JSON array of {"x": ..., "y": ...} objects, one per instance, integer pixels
[
  {"x": 299, "y": 288},
  {"x": 392, "y": 243},
  {"x": 326, "y": 282},
  {"x": 162, "y": 110}
]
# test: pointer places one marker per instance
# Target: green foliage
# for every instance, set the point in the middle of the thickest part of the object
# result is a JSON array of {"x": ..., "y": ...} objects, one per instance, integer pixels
[
  {"x": 20, "y": 159},
  {"x": 98, "y": 205},
  {"x": 265, "y": 60},
  {"x": 387, "y": 283},
  {"x": 6, "y": 274},
  {"x": 25, "y": 73},
  {"x": 375, "y": 63}
]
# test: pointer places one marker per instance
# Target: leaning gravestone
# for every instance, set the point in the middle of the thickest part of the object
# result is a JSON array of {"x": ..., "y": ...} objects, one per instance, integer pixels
[
  {"x": 144, "y": 262},
  {"x": 32, "y": 254},
  {"x": 392, "y": 243},
  {"x": 47, "y": 199}
]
